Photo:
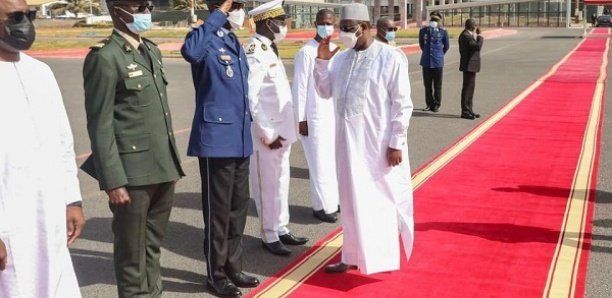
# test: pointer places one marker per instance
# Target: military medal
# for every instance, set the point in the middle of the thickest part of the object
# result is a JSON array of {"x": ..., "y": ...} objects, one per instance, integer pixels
[
  {"x": 220, "y": 33},
  {"x": 264, "y": 47},
  {"x": 229, "y": 71}
]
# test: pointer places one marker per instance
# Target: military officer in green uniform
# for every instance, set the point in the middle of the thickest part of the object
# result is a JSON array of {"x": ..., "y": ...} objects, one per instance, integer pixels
[{"x": 134, "y": 156}]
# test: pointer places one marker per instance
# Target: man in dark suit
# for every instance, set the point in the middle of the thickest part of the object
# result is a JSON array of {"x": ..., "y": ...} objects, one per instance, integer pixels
[
  {"x": 221, "y": 139},
  {"x": 134, "y": 155},
  {"x": 470, "y": 43}
]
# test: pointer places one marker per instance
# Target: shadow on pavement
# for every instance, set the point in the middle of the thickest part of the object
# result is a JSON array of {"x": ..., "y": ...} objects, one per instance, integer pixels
[{"x": 416, "y": 113}]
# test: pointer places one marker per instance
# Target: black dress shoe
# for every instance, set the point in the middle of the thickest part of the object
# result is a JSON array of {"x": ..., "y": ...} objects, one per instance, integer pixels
[
  {"x": 244, "y": 281},
  {"x": 291, "y": 239},
  {"x": 276, "y": 248},
  {"x": 467, "y": 116},
  {"x": 223, "y": 288},
  {"x": 338, "y": 268},
  {"x": 322, "y": 216},
  {"x": 435, "y": 109},
  {"x": 475, "y": 115},
  {"x": 427, "y": 108}
]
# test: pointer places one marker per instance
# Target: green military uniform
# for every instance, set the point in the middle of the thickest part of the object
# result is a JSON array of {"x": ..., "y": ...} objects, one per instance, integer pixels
[{"x": 133, "y": 146}]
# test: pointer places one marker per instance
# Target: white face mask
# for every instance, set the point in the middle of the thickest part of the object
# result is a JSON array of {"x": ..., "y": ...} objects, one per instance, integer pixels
[
  {"x": 349, "y": 39},
  {"x": 280, "y": 35},
  {"x": 236, "y": 18},
  {"x": 433, "y": 24}
]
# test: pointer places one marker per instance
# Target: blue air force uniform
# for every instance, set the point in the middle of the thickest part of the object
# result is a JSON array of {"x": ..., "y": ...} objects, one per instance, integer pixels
[
  {"x": 221, "y": 139},
  {"x": 434, "y": 44}
]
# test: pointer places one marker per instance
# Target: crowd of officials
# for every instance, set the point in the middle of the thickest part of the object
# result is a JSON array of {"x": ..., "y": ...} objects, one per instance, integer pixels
[{"x": 351, "y": 110}]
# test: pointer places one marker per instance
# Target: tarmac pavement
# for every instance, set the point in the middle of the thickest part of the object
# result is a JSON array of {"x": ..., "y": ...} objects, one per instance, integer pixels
[{"x": 510, "y": 64}]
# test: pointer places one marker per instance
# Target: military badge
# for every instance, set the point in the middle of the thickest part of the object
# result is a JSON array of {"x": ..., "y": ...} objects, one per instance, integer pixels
[
  {"x": 251, "y": 49},
  {"x": 264, "y": 47},
  {"x": 132, "y": 67},
  {"x": 220, "y": 33},
  {"x": 229, "y": 71}
]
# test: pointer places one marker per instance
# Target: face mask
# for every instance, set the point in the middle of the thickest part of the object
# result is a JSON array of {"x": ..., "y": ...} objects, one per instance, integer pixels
[
  {"x": 349, "y": 39},
  {"x": 390, "y": 36},
  {"x": 142, "y": 22},
  {"x": 19, "y": 36},
  {"x": 236, "y": 18},
  {"x": 433, "y": 24},
  {"x": 280, "y": 35},
  {"x": 325, "y": 30}
]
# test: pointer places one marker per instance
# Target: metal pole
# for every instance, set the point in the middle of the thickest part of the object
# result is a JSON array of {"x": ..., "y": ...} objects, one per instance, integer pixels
[
  {"x": 568, "y": 7},
  {"x": 192, "y": 12}
]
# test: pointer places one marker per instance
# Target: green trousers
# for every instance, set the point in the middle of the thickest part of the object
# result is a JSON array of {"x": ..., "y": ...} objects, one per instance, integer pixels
[{"x": 138, "y": 232}]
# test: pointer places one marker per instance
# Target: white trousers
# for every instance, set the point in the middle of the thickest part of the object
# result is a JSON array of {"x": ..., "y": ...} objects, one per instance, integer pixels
[
  {"x": 270, "y": 184},
  {"x": 319, "y": 149}
]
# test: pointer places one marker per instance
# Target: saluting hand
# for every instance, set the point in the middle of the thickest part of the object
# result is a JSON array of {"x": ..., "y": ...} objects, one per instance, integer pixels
[
  {"x": 394, "y": 157},
  {"x": 303, "y": 128},
  {"x": 3, "y": 256},
  {"x": 119, "y": 197},
  {"x": 323, "y": 52},
  {"x": 75, "y": 221},
  {"x": 226, "y": 6},
  {"x": 277, "y": 143}
]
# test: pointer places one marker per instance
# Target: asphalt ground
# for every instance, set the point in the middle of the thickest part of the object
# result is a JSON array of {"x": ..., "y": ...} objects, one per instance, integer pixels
[{"x": 510, "y": 64}]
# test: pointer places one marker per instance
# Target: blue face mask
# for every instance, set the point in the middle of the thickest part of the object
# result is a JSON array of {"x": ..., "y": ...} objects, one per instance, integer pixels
[
  {"x": 142, "y": 22},
  {"x": 390, "y": 36},
  {"x": 325, "y": 30}
]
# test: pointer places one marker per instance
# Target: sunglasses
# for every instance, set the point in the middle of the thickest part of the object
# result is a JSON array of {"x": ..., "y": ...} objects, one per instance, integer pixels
[
  {"x": 392, "y": 29},
  {"x": 350, "y": 29},
  {"x": 16, "y": 17},
  {"x": 138, "y": 8}
]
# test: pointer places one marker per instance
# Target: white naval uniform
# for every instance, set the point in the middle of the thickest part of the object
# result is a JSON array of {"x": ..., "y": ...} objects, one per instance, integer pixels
[
  {"x": 320, "y": 144},
  {"x": 373, "y": 107},
  {"x": 38, "y": 178},
  {"x": 272, "y": 111}
]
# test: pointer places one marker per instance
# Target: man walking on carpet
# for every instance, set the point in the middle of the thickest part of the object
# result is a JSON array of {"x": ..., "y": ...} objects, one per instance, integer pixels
[{"x": 371, "y": 137}]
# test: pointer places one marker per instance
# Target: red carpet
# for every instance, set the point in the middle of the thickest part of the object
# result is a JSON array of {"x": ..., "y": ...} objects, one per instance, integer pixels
[{"x": 504, "y": 212}]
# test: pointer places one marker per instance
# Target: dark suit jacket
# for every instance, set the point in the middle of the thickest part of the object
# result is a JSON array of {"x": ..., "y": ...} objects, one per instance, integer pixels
[
  {"x": 128, "y": 117},
  {"x": 469, "y": 48}
]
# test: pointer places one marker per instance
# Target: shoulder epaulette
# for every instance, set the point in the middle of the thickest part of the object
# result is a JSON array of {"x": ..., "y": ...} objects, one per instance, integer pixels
[{"x": 100, "y": 44}]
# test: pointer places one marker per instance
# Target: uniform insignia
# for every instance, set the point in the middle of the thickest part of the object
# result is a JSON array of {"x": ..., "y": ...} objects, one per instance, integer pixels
[
  {"x": 127, "y": 48},
  {"x": 226, "y": 58},
  {"x": 229, "y": 71},
  {"x": 134, "y": 74},
  {"x": 100, "y": 44},
  {"x": 220, "y": 33},
  {"x": 132, "y": 67},
  {"x": 222, "y": 50},
  {"x": 264, "y": 47},
  {"x": 251, "y": 49}
]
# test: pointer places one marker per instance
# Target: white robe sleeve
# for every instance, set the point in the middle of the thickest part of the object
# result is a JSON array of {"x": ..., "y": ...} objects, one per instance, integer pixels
[
  {"x": 263, "y": 129},
  {"x": 322, "y": 77},
  {"x": 401, "y": 103},
  {"x": 72, "y": 191},
  {"x": 301, "y": 75}
]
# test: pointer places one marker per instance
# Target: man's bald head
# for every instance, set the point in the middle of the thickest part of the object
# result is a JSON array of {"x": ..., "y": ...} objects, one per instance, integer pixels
[
  {"x": 385, "y": 22},
  {"x": 8, "y": 6}
]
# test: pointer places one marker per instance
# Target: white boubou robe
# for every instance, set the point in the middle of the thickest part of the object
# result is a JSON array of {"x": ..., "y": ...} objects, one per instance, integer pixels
[
  {"x": 371, "y": 89},
  {"x": 38, "y": 178},
  {"x": 320, "y": 144}
]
